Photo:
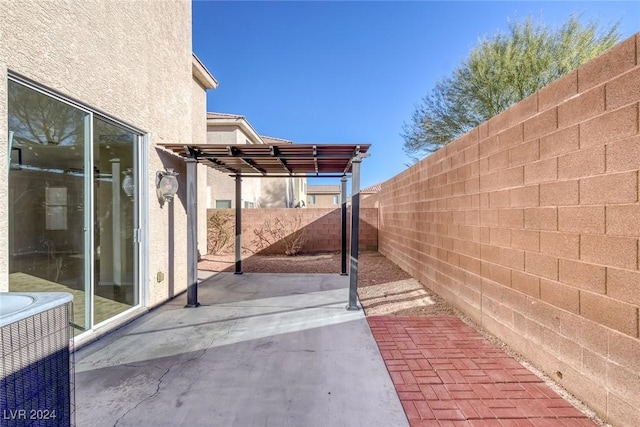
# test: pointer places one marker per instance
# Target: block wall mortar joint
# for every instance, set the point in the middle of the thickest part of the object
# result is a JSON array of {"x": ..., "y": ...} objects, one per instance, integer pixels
[
  {"x": 579, "y": 129},
  {"x": 580, "y": 291}
]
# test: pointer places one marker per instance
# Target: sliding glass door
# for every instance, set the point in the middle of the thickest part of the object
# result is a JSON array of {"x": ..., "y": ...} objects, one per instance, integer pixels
[
  {"x": 114, "y": 164},
  {"x": 73, "y": 204}
]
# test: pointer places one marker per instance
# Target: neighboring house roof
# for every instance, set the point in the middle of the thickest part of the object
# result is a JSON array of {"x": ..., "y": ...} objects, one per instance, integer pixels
[
  {"x": 323, "y": 189},
  {"x": 224, "y": 116},
  {"x": 225, "y": 119},
  {"x": 272, "y": 140},
  {"x": 201, "y": 74},
  {"x": 372, "y": 188}
]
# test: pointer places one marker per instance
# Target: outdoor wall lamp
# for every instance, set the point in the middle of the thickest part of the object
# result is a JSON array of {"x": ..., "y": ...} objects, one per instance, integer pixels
[
  {"x": 167, "y": 184},
  {"x": 128, "y": 186}
]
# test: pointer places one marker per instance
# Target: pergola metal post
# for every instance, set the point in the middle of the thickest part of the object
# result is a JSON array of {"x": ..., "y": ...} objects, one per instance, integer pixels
[
  {"x": 192, "y": 233},
  {"x": 238, "y": 224},
  {"x": 343, "y": 226},
  {"x": 355, "y": 224}
]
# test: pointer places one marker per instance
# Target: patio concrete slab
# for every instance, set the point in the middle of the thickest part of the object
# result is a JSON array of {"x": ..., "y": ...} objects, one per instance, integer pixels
[{"x": 261, "y": 350}]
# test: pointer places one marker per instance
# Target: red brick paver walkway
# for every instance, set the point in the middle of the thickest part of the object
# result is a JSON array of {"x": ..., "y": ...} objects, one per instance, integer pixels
[{"x": 447, "y": 374}]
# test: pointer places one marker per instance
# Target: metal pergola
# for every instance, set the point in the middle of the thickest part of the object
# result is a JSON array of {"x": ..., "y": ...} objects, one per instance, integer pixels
[{"x": 273, "y": 161}]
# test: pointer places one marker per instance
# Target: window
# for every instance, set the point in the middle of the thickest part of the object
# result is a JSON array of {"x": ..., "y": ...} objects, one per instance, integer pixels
[
  {"x": 248, "y": 205},
  {"x": 55, "y": 208},
  {"x": 336, "y": 199},
  {"x": 223, "y": 204},
  {"x": 312, "y": 199}
]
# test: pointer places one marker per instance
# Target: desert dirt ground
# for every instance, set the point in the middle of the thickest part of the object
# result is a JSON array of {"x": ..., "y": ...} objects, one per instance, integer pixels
[{"x": 383, "y": 289}]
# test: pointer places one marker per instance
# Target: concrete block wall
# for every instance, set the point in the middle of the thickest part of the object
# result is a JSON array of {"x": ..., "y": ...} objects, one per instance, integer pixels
[
  {"x": 322, "y": 228},
  {"x": 530, "y": 224}
]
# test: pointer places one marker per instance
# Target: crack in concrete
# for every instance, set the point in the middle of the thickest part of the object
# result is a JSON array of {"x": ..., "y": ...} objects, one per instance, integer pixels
[
  {"x": 161, "y": 379},
  {"x": 148, "y": 397}
]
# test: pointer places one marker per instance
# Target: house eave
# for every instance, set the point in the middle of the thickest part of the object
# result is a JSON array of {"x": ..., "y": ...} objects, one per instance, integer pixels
[{"x": 201, "y": 74}]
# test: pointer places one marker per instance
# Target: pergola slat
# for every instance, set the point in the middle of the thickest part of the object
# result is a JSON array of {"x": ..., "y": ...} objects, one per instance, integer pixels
[
  {"x": 274, "y": 152},
  {"x": 270, "y": 159}
]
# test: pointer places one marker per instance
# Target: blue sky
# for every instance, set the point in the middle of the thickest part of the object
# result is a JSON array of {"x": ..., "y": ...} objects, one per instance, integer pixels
[{"x": 352, "y": 72}]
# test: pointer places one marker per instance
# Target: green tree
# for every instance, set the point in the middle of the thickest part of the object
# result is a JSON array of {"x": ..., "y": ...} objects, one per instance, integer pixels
[{"x": 499, "y": 72}]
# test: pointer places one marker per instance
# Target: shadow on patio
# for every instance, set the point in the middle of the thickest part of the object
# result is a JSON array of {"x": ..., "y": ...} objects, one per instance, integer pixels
[{"x": 262, "y": 350}]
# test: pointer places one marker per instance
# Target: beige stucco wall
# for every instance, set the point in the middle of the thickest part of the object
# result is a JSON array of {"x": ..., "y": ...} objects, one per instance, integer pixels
[
  {"x": 224, "y": 135},
  {"x": 129, "y": 59},
  {"x": 4, "y": 217},
  {"x": 199, "y": 136},
  {"x": 221, "y": 186},
  {"x": 301, "y": 189},
  {"x": 323, "y": 201},
  {"x": 274, "y": 193},
  {"x": 262, "y": 192}
]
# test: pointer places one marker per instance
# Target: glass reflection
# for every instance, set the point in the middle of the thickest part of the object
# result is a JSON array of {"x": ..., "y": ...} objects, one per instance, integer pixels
[
  {"x": 114, "y": 184},
  {"x": 53, "y": 200},
  {"x": 46, "y": 196}
]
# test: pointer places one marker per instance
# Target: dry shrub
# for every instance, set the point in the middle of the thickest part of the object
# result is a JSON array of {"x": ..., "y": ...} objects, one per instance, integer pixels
[
  {"x": 220, "y": 232},
  {"x": 286, "y": 231}
]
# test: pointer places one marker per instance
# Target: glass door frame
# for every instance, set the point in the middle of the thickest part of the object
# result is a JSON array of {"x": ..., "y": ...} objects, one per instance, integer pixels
[{"x": 141, "y": 210}]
